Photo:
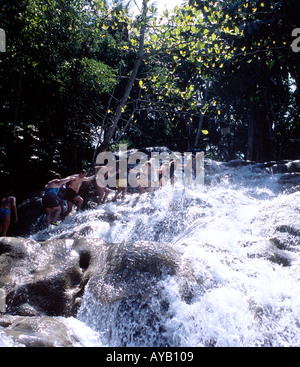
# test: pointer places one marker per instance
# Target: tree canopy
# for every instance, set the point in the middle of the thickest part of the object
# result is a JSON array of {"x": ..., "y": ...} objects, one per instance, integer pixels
[{"x": 79, "y": 76}]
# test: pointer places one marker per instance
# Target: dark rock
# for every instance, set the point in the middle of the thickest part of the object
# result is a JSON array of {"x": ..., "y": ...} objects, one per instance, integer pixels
[
  {"x": 28, "y": 212},
  {"x": 51, "y": 279},
  {"x": 279, "y": 168},
  {"x": 48, "y": 295},
  {"x": 131, "y": 268},
  {"x": 13, "y": 254},
  {"x": 282, "y": 221},
  {"x": 239, "y": 163},
  {"x": 294, "y": 167},
  {"x": 288, "y": 229},
  {"x": 290, "y": 179},
  {"x": 12, "y": 247},
  {"x": 125, "y": 289},
  {"x": 266, "y": 165},
  {"x": 51, "y": 285},
  {"x": 277, "y": 256}
]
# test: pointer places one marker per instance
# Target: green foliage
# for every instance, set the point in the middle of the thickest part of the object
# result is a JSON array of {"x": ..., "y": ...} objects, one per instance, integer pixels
[
  {"x": 215, "y": 75},
  {"x": 242, "y": 49},
  {"x": 54, "y": 81}
]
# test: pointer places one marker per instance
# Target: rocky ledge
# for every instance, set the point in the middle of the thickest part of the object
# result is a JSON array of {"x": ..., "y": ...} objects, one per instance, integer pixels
[
  {"x": 45, "y": 283},
  {"x": 287, "y": 174}
]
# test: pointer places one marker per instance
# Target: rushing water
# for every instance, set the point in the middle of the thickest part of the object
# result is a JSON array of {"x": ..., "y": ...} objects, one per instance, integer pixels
[{"x": 242, "y": 293}]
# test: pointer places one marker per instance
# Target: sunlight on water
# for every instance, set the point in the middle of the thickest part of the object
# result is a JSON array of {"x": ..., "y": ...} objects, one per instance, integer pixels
[{"x": 241, "y": 295}]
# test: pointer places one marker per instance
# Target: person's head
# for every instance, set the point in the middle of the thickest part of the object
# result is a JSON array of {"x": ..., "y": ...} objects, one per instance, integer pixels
[
  {"x": 57, "y": 176},
  {"x": 82, "y": 173},
  {"x": 10, "y": 193}
]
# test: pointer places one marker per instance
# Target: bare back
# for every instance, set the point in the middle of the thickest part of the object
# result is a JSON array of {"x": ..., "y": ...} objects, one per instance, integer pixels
[{"x": 8, "y": 203}]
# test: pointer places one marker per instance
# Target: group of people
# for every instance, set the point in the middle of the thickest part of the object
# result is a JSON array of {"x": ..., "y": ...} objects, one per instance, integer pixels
[
  {"x": 51, "y": 200},
  {"x": 148, "y": 177}
]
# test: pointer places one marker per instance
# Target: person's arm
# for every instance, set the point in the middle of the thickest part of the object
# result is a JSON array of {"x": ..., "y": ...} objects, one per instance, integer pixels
[
  {"x": 65, "y": 180},
  {"x": 88, "y": 179},
  {"x": 111, "y": 173}
]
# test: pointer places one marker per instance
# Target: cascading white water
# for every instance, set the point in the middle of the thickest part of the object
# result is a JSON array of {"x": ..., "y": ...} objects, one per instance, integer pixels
[{"x": 245, "y": 290}]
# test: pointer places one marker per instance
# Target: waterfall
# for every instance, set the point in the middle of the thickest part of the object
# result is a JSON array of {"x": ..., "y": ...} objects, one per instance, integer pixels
[{"x": 187, "y": 267}]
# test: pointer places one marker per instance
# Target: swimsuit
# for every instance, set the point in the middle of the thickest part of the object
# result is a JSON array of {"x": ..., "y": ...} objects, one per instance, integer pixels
[
  {"x": 4, "y": 213},
  {"x": 52, "y": 190},
  {"x": 71, "y": 194},
  {"x": 50, "y": 198}
]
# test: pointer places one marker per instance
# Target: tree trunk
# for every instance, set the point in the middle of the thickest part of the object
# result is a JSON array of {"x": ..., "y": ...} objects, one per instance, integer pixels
[
  {"x": 197, "y": 140},
  {"x": 188, "y": 122},
  {"x": 115, "y": 120}
]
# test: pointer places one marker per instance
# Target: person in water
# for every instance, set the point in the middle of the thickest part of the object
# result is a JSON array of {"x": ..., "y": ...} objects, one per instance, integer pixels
[
  {"x": 72, "y": 194},
  {"x": 146, "y": 174},
  {"x": 121, "y": 183},
  {"x": 50, "y": 199},
  {"x": 99, "y": 185},
  {"x": 8, "y": 205}
]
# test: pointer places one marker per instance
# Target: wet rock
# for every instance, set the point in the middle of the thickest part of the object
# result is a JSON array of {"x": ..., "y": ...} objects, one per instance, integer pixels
[
  {"x": 125, "y": 296},
  {"x": 280, "y": 221},
  {"x": 37, "y": 331},
  {"x": 50, "y": 279},
  {"x": 279, "y": 168},
  {"x": 239, "y": 163},
  {"x": 45, "y": 279},
  {"x": 13, "y": 263},
  {"x": 270, "y": 250},
  {"x": 129, "y": 269},
  {"x": 291, "y": 229},
  {"x": 294, "y": 167},
  {"x": 277, "y": 256},
  {"x": 290, "y": 179},
  {"x": 14, "y": 248},
  {"x": 28, "y": 212}
]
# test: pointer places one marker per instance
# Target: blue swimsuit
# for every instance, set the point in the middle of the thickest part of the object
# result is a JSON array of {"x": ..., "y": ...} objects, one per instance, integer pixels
[
  {"x": 54, "y": 191},
  {"x": 4, "y": 213}
]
